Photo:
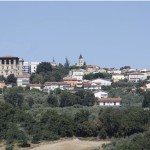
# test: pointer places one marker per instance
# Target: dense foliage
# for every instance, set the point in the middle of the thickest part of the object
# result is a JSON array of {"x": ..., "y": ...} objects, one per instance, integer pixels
[
  {"x": 46, "y": 73},
  {"x": 92, "y": 76},
  {"x": 33, "y": 116},
  {"x": 134, "y": 142},
  {"x": 11, "y": 79}
]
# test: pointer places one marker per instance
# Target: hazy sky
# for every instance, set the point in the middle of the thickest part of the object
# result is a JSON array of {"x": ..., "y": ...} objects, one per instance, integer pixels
[{"x": 109, "y": 34}]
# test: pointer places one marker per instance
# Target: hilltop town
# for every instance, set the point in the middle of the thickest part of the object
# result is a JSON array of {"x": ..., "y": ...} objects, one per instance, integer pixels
[
  {"x": 47, "y": 101},
  {"x": 15, "y": 71}
]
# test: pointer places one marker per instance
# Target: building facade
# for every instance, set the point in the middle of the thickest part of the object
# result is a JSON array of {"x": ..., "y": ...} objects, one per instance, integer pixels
[
  {"x": 117, "y": 77},
  {"x": 23, "y": 80},
  {"x": 26, "y": 68},
  {"x": 109, "y": 101},
  {"x": 51, "y": 86},
  {"x": 100, "y": 94},
  {"x": 136, "y": 77},
  {"x": 102, "y": 82},
  {"x": 34, "y": 66},
  {"x": 11, "y": 65},
  {"x": 71, "y": 81}
]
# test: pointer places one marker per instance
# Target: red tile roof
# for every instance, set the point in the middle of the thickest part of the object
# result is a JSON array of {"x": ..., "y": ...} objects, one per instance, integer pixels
[
  {"x": 69, "y": 79},
  {"x": 109, "y": 99},
  {"x": 23, "y": 76},
  {"x": 39, "y": 85},
  {"x": 56, "y": 83},
  {"x": 8, "y": 57}
]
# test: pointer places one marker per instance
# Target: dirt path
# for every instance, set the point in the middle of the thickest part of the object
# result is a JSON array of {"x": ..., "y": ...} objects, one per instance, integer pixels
[
  {"x": 67, "y": 144},
  {"x": 74, "y": 144}
]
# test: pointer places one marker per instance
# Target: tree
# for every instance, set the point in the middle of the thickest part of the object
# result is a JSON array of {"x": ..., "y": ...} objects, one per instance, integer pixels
[
  {"x": 44, "y": 67},
  {"x": 57, "y": 75},
  {"x": 67, "y": 63},
  {"x": 14, "y": 98},
  {"x": 65, "y": 99},
  {"x": 146, "y": 101},
  {"x": 11, "y": 79},
  {"x": 2, "y": 78},
  {"x": 52, "y": 101},
  {"x": 89, "y": 99},
  {"x": 125, "y": 67},
  {"x": 36, "y": 78}
]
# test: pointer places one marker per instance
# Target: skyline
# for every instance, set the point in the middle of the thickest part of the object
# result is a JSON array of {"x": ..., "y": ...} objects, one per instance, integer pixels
[{"x": 108, "y": 34}]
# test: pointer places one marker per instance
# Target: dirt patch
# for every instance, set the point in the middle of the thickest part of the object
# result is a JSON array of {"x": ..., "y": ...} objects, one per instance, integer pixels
[{"x": 72, "y": 144}]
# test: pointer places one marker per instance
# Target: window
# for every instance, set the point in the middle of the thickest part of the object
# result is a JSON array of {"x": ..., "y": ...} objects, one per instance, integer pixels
[
  {"x": 7, "y": 61},
  {"x": 2, "y": 61},
  {"x": 12, "y": 61}
]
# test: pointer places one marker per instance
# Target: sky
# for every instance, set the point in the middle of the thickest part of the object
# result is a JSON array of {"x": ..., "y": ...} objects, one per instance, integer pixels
[{"x": 108, "y": 34}]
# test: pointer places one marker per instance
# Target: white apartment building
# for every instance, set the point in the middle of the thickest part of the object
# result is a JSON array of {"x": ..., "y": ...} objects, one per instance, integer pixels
[
  {"x": 100, "y": 94},
  {"x": 36, "y": 86},
  {"x": 34, "y": 66},
  {"x": 117, "y": 77},
  {"x": 136, "y": 77},
  {"x": 23, "y": 80},
  {"x": 91, "y": 86},
  {"x": 11, "y": 65},
  {"x": 51, "y": 86},
  {"x": 77, "y": 73},
  {"x": 26, "y": 68},
  {"x": 103, "y": 82}
]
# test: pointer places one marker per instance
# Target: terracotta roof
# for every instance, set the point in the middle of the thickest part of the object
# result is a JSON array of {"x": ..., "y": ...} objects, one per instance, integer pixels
[
  {"x": 8, "y": 57},
  {"x": 118, "y": 74},
  {"x": 136, "y": 74},
  {"x": 91, "y": 84},
  {"x": 39, "y": 85},
  {"x": 69, "y": 78},
  {"x": 109, "y": 99},
  {"x": 56, "y": 83},
  {"x": 23, "y": 76}
]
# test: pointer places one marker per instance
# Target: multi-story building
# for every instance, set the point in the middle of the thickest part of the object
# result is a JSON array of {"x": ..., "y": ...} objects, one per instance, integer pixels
[
  {"x": 26, "y": 68},
  {"x": 136, "y": 77},
  {"x": 117, "y": 77},
  {"x": 71, "y": 81},
  {"x": 100, "y": 94},
  {"x": 51, "y": 86},
  {"x": 34, "y": 66},
  {"x": 23, "y": 80},
  {"x": 11, "y": 65},
  {"x": 103, "y": 82},
  {"x": 91, "y": 86},
  {"x": 77, "y": 73}
]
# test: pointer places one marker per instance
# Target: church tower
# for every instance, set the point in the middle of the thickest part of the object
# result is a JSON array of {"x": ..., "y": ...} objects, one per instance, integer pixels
[{"x": 80, "y": 61}]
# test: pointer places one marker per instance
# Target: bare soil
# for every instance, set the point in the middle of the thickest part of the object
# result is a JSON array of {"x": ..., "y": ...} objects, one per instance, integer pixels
[
  {"x": 71, "y": 144},
  {"x": 64, "y": 144}
]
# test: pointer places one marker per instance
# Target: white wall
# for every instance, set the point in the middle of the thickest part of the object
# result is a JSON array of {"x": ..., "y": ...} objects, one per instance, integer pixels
[
  {"x": 102, "y": 81},
  {"x": 34, "y": 66},
  {"x": 101, "y": 94},
  {"x": 109, "y": 104}
]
